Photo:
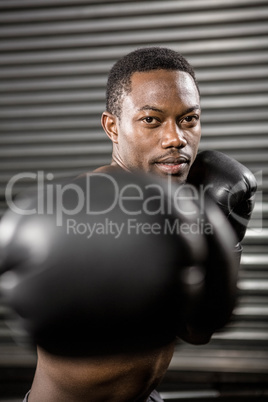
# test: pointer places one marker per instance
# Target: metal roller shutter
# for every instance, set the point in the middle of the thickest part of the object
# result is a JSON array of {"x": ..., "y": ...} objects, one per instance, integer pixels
[{"x": 54, "y": 60}]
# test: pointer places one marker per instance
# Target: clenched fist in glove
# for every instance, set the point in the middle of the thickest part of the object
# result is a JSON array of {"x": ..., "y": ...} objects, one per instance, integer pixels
[
  {"x": 229, "y": 183},
  {"x": 232, "y": 187}
]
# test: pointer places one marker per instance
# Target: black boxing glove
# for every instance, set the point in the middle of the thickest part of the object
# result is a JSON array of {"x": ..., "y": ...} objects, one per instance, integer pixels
[
  {"x": 229, "y": 183},
  {"x": 81, "y": 293},
  {"x": 232, "y": 186}
]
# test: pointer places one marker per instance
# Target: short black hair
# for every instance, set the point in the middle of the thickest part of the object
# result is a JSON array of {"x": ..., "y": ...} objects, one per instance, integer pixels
[{"x": 140, "y": 60}]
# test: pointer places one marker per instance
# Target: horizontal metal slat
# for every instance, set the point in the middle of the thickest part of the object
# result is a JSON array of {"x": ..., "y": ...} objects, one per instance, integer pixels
[
  {"x": 225, "y": 144},
  {"x": 231, "y": 73},
  {"x": 62, "y": 97},
  {"x": 239, "y": 87},
  {"x": 63, "y": 55},
  {"x": 228, "y": 360},
  {"x": 9, "y": 4},
  {"x": 253, "y": 234},
  {"x": 103, "y": 66},
  {"x": 56, "y": 70},
  {"x": 57, "y": 110},
  {"x": 52, "y": 150},
  {"x": 114, "y": 52},
  {"x": 254, "y": 249},
  {"x": 63, "y": 163},
  {"x": 252, "y": 300},
  {"x": 82, "y": 12},
  {"x": 253, "y": 335},
  {"x": 257, "y": 260},
  {"x": 253, "y": 284},
  {"x": 228, "y": 59},
  {"x": 75, "y": 123},
  {"x": 233, "y": 115},
  {"x": 53, "y": 83},
  {"x": 253, "y": 273},
  {"x": 244, "y": 156},
  {"x": 252, "y": 311},
  {"x": 149, "y": 21},
  {"x": 53, "y": 137},
  {"x": 137, "y": 37},
  {"x": 190, "y": 395},
  {"x": 240, "y": 129}
]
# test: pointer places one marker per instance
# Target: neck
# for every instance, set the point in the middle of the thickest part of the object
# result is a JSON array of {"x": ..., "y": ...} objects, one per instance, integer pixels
[
  {"x": 117, "y": 160},
  {"x": 111, "y": 379}
]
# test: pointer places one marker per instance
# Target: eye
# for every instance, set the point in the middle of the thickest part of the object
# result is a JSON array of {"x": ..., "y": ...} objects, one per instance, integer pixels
[
  {"x": 190, "y": 120},
  {"x": 149, "y": 119}
]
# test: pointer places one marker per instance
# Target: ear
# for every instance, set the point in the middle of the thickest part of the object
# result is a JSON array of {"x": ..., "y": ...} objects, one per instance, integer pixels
[{"x": 109, "y": 123}]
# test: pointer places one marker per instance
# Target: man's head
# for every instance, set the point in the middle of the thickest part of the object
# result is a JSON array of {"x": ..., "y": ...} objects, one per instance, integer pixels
[{"x": 153, "y": 112}]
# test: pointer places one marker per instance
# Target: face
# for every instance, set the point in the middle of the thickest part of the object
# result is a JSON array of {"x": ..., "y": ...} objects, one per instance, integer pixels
[{"x": 159, "y": 128}]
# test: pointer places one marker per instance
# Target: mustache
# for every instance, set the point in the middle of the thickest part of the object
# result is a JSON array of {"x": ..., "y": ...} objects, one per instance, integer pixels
[{"x": 176, "y": 154}]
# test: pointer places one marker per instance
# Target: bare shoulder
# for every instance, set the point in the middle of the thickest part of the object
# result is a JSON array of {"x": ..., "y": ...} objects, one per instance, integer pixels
[{"x": 108, "y": 169}]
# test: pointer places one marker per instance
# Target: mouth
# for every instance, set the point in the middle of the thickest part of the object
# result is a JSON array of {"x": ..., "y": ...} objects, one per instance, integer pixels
[{"x": 172, "y": 166}]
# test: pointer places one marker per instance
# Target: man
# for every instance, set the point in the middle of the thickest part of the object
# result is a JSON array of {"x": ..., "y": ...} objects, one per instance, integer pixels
[{"x": 153, "y": 120}]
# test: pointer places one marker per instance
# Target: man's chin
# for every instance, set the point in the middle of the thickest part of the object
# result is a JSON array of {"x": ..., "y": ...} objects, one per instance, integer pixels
[
  {"x": 176, "y": 179},
  {"x": 177, "y": 173}
]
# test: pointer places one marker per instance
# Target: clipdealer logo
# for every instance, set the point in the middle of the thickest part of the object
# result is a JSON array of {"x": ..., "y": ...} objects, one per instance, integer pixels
[
  {"x": 133, "y": 226},
  {"x": 149, "y": 198},
  {"x": 50, "y": 200}
]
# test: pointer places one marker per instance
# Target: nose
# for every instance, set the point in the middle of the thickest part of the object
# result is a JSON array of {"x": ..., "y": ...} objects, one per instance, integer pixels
[{"x": 173, "y": 137}]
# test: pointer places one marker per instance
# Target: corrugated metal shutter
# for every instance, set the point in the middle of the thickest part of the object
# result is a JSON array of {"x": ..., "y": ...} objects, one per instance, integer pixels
[{"x": 54, "y": 60}]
